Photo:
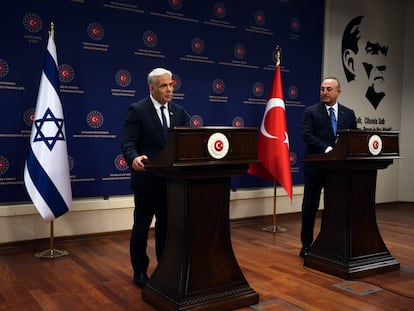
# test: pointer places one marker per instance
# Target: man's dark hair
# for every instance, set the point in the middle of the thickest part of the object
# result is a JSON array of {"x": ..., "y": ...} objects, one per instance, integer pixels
[{"x": 334, "y": 78}]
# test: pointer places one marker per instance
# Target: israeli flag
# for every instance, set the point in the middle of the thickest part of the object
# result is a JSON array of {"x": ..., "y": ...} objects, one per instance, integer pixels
[{"x": 46, "y": 172}]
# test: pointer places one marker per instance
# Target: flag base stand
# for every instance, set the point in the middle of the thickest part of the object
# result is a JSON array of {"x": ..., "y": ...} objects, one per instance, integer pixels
[
  {"x": 51, "y": 253},
  {"x": 274, "y": 228}
]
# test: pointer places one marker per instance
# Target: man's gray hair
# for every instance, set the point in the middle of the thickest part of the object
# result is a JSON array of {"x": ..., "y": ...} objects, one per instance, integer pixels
[{"x": 156, "y": 73}]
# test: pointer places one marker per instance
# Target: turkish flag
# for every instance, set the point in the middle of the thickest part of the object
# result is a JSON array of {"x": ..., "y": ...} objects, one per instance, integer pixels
[{"x": 273, "y": 140}]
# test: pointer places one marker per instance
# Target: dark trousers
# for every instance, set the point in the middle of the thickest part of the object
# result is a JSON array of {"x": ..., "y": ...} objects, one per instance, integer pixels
[
  {"x": 148, "y": 203},
  {"x": 314, "y": 182}
]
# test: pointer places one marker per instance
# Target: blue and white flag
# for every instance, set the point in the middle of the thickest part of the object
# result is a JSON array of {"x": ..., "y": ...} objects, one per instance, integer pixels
[{"x": 46, "y": 172}]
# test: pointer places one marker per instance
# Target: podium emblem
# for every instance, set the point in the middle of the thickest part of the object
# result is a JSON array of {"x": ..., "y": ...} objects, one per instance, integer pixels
[
  {"x": 218, "y": 145},
  {"x": 375, "y": 145}
]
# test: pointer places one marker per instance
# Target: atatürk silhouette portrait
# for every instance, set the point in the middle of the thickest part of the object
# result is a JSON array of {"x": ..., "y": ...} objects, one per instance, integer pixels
[{"x": 364, "y": 58}]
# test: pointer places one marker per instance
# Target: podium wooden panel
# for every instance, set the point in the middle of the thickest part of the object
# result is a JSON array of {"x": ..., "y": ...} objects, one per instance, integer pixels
[
  {"x": 349, "y": 244},
  {"x": 198, "y": 269}
]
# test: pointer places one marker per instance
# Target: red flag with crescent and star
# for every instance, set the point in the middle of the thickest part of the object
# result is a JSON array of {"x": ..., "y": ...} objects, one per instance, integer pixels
[{"x": 273, "y": 140}]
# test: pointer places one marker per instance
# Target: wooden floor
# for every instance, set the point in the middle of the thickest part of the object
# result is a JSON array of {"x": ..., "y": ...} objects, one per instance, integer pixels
[{"x": 96, "y": 275}]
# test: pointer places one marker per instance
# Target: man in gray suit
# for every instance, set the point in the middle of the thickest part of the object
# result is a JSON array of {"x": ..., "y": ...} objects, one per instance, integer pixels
[
  {"x": 144, "y": 138},
  {"x": 320, "y": 122}
]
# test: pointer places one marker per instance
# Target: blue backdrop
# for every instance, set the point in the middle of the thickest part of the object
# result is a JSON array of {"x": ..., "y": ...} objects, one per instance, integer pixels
[{"x": 221, "y": 54}]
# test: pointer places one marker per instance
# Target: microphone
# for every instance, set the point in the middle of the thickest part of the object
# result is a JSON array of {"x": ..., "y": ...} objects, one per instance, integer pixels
[{"x": 189, "y": 116}]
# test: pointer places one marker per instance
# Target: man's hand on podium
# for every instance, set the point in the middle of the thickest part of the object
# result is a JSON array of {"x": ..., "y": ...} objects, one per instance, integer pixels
[{"x": 140, "y": 162}]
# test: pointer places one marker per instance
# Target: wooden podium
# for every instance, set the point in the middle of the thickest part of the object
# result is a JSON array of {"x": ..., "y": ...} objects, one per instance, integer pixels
[
  {"x": 198, "y": 269},
  {"x": 349, "y": 244}
]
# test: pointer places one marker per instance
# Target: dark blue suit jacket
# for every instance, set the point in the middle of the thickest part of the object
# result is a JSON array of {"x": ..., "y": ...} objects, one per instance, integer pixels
[
  {"x": 317, "y": 130},
  {"x": 144, "y": 134}
]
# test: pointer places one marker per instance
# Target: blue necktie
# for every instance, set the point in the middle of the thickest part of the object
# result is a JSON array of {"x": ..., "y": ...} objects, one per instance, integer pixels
[
  {"x": 164, "y": 122},
  {"x": 333, "y": 119}
]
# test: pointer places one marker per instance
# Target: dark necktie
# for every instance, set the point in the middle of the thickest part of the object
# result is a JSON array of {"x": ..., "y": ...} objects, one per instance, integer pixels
[
  {"x": 164, "y": 122},
  {"x": 333, "y": 119}
]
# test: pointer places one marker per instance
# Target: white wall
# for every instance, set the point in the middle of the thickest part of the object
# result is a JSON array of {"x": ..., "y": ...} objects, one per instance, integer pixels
[
  {"x": 406, "y": 168},
  {"x": 386, "y": 24}
]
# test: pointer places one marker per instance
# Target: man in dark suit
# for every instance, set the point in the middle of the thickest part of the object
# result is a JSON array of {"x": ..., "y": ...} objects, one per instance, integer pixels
[
  {"x": 145, "y": 138},
  {"x": 320, "y": 122}
]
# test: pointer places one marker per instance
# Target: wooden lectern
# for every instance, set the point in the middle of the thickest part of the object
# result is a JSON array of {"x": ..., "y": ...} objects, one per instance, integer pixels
[
  {"x": 349, "y": 244},
  {"x": 198, "y": 269}
]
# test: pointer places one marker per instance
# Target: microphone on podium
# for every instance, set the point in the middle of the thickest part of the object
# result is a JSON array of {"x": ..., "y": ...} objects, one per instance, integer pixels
[{"x": 189, "y": 116}]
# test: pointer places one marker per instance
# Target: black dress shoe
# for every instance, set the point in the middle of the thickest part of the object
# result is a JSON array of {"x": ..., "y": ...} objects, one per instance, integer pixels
[
  {"x": 304, "y": 251},
  {"x": 140, "y": 279}
]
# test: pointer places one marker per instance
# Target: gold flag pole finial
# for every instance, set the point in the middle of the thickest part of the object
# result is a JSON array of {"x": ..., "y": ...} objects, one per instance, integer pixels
[
  {"x": 278, "y": 54},
  {"x": 52, "y": 30}
]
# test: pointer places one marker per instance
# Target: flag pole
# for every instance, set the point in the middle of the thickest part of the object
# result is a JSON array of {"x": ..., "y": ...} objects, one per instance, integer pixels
[
  {"x": 51, "y": 252},
  {"x": 274, "y": 228}
]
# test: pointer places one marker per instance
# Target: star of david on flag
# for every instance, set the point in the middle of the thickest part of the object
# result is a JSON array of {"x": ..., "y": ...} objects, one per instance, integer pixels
[
  {"x": 49, "y": 125},
  {"x": 46, "y": 172}
]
